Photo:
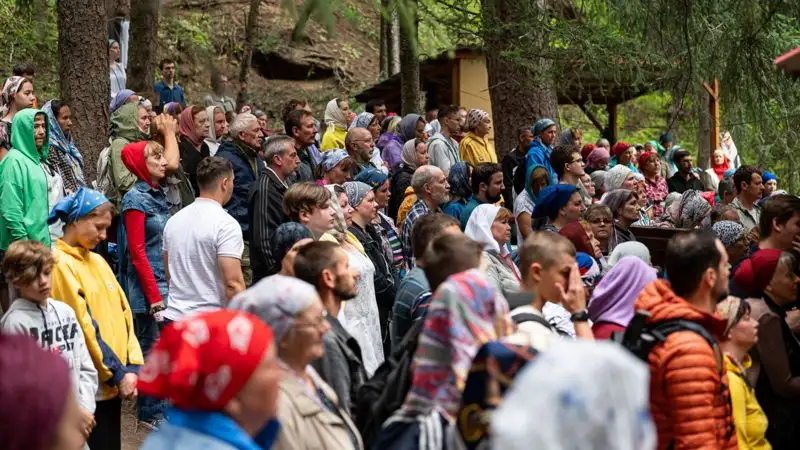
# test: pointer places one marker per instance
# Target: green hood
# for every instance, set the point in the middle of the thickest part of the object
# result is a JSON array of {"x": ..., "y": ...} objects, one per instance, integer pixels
[
  {"x": 123, "y": 124},
  {"x": 22, "y": 135}
]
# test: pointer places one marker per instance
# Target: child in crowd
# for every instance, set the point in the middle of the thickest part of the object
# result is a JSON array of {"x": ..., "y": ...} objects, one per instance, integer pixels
[{"x": 53, "y": 324}]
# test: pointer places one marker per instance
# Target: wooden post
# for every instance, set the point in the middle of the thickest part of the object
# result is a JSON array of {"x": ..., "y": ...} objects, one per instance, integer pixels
[
  {"x": 713, "y": 111},
  {"x": 613, "y": 125}
]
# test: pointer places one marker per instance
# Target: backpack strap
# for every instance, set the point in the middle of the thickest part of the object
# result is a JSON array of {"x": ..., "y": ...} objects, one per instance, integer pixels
[
  {"x": 531, "y": 317},
  {"x": 664, "y": 329}
]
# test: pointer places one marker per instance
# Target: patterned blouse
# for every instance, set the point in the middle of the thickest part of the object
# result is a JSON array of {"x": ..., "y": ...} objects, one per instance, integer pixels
[{"x": 656, "y": 192}]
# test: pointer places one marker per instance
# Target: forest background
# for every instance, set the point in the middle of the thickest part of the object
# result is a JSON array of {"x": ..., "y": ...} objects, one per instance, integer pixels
[{"x": 320, "y": 49}]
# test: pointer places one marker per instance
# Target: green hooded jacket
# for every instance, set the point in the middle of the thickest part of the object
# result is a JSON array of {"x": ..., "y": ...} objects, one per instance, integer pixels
[
  {"x": 124, "y": 129},
  {"x": 23, "y": 184}
]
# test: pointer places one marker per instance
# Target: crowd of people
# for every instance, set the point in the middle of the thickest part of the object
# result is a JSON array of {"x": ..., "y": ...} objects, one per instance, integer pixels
[{"x": 378, "y": 281}]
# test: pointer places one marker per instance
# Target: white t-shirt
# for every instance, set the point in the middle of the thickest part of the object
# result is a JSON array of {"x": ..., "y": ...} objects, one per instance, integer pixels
[
  {"x": 193, "y": 239},
  {"x": 531, "y": 333},
  {"x": 522, "y": 204}
]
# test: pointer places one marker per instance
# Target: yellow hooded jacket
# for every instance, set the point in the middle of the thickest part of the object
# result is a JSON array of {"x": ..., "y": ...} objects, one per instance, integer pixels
[{"x": 83, "y": 280}]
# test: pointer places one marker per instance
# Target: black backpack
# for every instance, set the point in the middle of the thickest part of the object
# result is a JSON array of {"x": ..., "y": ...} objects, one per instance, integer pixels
[{"x": 385, "y": 392}]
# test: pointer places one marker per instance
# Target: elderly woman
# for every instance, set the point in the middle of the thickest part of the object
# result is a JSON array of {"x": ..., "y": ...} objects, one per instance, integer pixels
[
  {"x": 611, "y": 305},
  {"x": 218, "y": 129},
  {"x": 537, "y": 179},
  {"x": 337, "y": 117},
  {"x": 597, "y": 159},
  {"x": 414, "y": 155},
  {"x": 459, "y": 179},
  {"x": 599, "y": 179},
  {"x": 770, "y": 276},
  {"x": 490, "y": 225},
  {"x": 370, "y": 122},
  {"x": 124, "y": 97},
  {"x": 631, "y": 248},
  {"x": 734, "y": 237},
  {"x": 741, "y": 334},
  {"x": 476, "y": 148},
  {"x": 624, "y": 155},
  {"x": 601, "y": 222},
  {"x": 581, "y": 235},
  {"x": 689, "y": 211},
  {"x": 411, "y": 127},
  {"x": 308, "y": 409},
  {"x": 194, "y": 128},
  {"x": 83, "y": 280},
  {"x": 211, "y": 410},
  {"x": 656, "y": 190},
  {"x": 560, "y": 204},
  {"x": 619, "y": 177},
  {"x": 335, "y": 167},
  {"x": 289, "y": 237},
  {"x": 624, "y": 206},
  {"x": 716, "y": 173}
]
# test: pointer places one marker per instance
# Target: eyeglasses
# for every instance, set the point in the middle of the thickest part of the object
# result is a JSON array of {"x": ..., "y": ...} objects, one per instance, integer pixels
[
  {"x": 601, "y": 221},
  {"x": 319, "y": 323}
]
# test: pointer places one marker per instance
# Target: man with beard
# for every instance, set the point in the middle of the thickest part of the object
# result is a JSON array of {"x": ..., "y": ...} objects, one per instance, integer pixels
[
  {"x": 430, "y": 185},
  {"x": 326, "y": 266},
  {"x": 487, "y": 187},
  {"x": 689, "y": 396},
  {"x": 299, "y": 124},
  {"x": 359, "y": 143}
]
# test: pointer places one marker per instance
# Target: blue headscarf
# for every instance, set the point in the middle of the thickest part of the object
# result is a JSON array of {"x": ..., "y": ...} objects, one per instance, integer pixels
[
  {"x": 120, "y": 99},
  {"x": 373, "y": 177},
  {"x": 534, "y": 197},
  {"x": 541, "y": 125},
  {"x": 768, "y": 176},
  {"x": 458, "y": 179},
  {"x": 551, "y": 199},
  {"x": 728, "y": 173},
  {"x": 72, "y": 207},
  {"x": 332, "y": 158},
  {"x": 63, "y": 141},
  {"x": 286, "y": 235}
]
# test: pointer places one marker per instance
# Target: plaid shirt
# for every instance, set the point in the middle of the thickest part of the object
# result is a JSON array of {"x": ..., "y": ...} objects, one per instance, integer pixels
[{"x": 418, "y": 209}]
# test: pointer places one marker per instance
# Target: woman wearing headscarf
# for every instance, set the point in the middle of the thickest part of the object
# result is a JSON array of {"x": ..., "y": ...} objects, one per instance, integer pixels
[
  {"x": 690, "y": 210},
  {"x": 624, "y": 154},
  {"x": 337, "y": 117},
  {"x": 560, "y": 204},
  {"x": 476, "y": 148},
  {"x": 631, "y": 248},
  {"x": 370, "y": 122},
  {"x": 124, "y": 96},
  {"x": 414, "y": 155},
  {"x": 194, "y": 128},
  {"x": 619, "y": 177},
  {"x": 411, "y": 127},
  {"x": 141, "y": 270},
  {"x": 582, "y": 237},
  {"x": 489, "y": 225},
  {"x": 390, "y": 236},
  {"x": 217, "y": 130},
  {"x": 173, "y": 109},
  {"x": 770, "y": 183},
  {"x": 572, "y": 137},
  {"x": 388, "y": 132},
  {"x": 536, "y": 179},
  {"x": 362, "y": 199},
  {"x": 116, "y": 71},
  {"x": 38, "y": 410},
  {"x": 210, "y": 410},
  {"x": 656, "y": 190},
  {"x": 624, "y": 206},
  {"x": 460, "y": 189},
  {"x": 597, "y": 159},
  {"x": 734, "y": 237},
  {"x": 84, "y": 280},
  {"x": 769, "y": 278},
  {"x": 64, "y": 157},
  {"x": 741, "y": 334},
  {"x": 17, "y": 95},
  {"x": 309, "y": 412},
  {"x": 575, "y": 382},
  {"x": 335, "y": 167},
  {"x": 611, "y": 305},
  {"x": 360, "y": 316},
  {"x": 716, "y": 173},
  {"x": 289, "y": 237}
]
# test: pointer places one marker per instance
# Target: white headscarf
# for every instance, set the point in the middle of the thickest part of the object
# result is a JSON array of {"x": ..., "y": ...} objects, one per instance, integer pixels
[
  {"x": 632, "y": 248},
  {"x": 212, "y": 140},
  {"x": 335, "y": 116},
  {"x": 479, "y": 227},
  {"x": 577, "y": 394},
  {"x": 615, "y": 177}
]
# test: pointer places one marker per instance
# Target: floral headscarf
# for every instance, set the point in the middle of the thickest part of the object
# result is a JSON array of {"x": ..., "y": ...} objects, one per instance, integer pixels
[
  {"x": 362, "y": 120},
  {"x": 475, "y": 117},
  {"x": 10, "y": 89},
  {"x": 356, "y": 191},
  {"x": 458, "y": 179},
  {"x": 690, "y": 210},
  {"x": 728, "y": 232}
]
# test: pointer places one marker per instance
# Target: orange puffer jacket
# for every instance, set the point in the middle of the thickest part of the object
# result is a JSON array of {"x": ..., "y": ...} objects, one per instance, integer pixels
[{"x": 689, "y": 396}]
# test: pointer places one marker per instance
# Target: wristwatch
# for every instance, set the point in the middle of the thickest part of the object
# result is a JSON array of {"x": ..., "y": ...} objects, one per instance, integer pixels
[{"x": 580, "y": 316}]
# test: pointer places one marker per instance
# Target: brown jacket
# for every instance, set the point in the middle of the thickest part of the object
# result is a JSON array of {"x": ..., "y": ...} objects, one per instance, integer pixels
[
  {"x": 307, "y": 425},
  {"x": 689, "y": 396}
]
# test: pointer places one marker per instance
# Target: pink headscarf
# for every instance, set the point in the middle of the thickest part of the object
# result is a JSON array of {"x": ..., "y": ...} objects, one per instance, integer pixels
[
  {"x": 598, "y": 158},
  {"x": 187, "y": 127}
]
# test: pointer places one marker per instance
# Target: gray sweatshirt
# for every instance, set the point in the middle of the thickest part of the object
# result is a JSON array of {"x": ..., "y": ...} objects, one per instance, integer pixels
[{"x": 56, "y": 328}]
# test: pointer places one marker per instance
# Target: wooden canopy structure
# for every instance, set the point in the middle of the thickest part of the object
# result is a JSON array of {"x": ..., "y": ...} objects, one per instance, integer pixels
[
  {"x": 459, "y": 77},
  {"x": 790, "y": 62}
]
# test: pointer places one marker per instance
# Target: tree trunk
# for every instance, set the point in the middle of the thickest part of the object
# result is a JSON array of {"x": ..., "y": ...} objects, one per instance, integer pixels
[
  {"x": 142, "y": 61},
  {"x": 409, "y": 63},
  {"x": 251, "y": 29},
  {"x": 520, "y": 94},
  {"x": 393, "y": 43},
  {"x": 118, "y": 8},
  {"x": 82, "y": 46},
  {"x": 703, "y": 129},
  {"x": 384, "y": 41}
]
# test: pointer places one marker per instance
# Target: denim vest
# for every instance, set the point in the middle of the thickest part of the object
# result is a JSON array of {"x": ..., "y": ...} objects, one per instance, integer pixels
[{"x": 153, "y": 202}]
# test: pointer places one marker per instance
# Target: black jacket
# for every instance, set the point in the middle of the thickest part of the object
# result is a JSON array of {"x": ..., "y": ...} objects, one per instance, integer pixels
[
  {"x": 514, "y": 185},
  {"x": 677, "y": 183},
  {"x": 265, "y": 215},
  {"x": 307, "y": 167},
  {"x": 400, "y": 181},
  {"x": 190, "y": 159},
  {"x": 247, "y": 166}
]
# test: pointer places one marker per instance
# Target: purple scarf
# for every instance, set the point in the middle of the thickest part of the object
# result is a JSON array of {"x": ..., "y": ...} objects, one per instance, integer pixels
[{"x": 613, "y": 298}]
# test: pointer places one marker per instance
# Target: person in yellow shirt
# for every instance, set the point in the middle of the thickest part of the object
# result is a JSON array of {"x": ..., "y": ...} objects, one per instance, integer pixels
[
  {"x": 475, "y": 148},
  {"x": 337, "y": 117},
  {"x": 741, "y": 334}
]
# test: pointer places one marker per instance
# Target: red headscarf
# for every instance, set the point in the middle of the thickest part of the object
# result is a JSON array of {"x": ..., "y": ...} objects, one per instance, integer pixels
[
  {"x": 134, "y": 160},
  {"x": 34, "y": 390},
  {"x": 619, "y": 148},
  {"x": 586, "y": 150},
  {"x": 643, "y": 157},
  {"x": 187, "y": 127},
  {"x": 202, "y": 362},
  {"x": 755, "y": 273},
  {"x": 720, "y": 170},
  {"x": 710, "y": 197},
  {"x": 575, "y": 232}
]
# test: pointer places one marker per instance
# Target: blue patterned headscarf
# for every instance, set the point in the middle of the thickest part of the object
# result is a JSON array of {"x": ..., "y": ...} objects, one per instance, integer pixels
[
  {"x": 63, "y": 141},
  {"x": 541, "y": 125},
  {"x": 72, "y": 207},
  {"x": 362, "y": 120},
  {"x": 458, "y": 179},
  {"x": 356, "y": 191},
  {"x": 332, "y": 158},
  {"x": 373, "y": 177}
]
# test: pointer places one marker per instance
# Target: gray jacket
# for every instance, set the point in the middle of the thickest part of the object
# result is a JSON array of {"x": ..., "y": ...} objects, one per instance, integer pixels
[
  {"x": 56, "y": 328},
  {"x": 341, "y": 367},
  {"x": 501, "y": 275},
  {"x": 442, "y": 152}
]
